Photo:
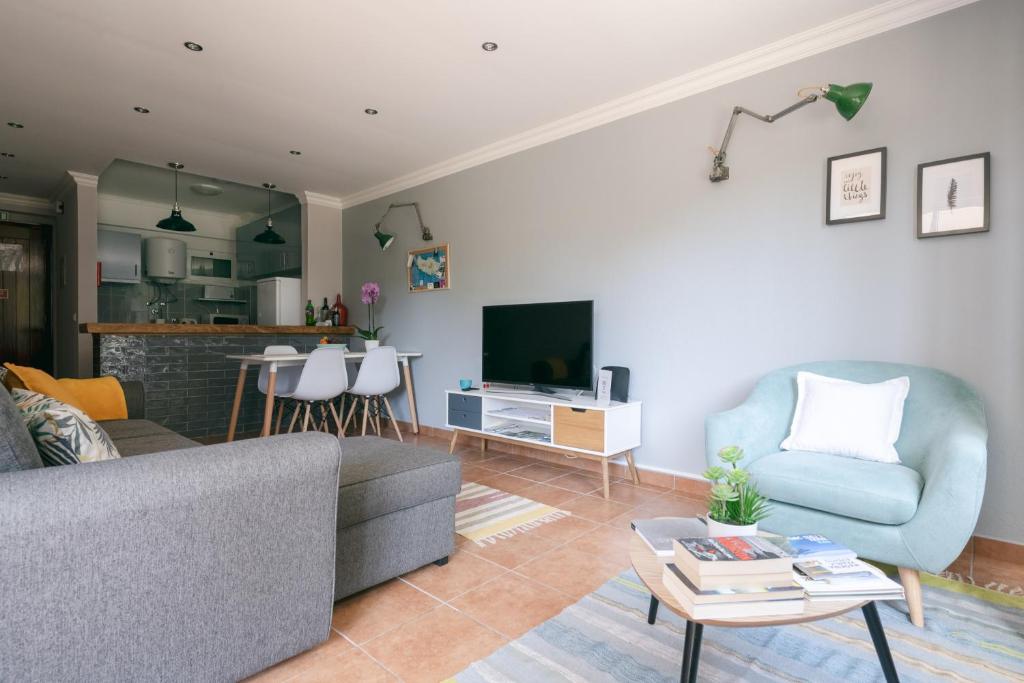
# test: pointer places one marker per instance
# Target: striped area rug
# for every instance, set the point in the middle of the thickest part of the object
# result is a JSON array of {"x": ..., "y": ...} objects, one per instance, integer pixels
[
  {"x": 485, "y": 515},
  {"x": 970, "y": 634}
]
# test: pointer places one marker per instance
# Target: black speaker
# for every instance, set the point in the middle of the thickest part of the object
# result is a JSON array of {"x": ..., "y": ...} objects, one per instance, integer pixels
[{"x": 620, "y": 382}]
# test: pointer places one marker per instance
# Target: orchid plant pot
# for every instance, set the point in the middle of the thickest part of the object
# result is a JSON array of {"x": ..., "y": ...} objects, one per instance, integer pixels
[
  {"x": 716, "y": 529},
  {"x": 371, "y": 344}
]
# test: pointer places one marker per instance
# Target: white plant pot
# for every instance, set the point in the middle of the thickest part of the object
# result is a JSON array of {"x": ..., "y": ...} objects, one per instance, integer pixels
[
  {"x": 371, "y": 343},
  {"x": 719, "y": 529}
]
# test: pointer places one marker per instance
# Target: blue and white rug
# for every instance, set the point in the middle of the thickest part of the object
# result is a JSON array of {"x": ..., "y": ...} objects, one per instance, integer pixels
[{"x": 970, "y": 634}]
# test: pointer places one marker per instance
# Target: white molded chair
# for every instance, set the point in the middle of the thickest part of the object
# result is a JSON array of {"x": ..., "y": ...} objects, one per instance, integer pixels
[
  {"x": 323, "y": 378},
  {"x": 287, "y": 378},
  {"x": 378, "y": 376}
]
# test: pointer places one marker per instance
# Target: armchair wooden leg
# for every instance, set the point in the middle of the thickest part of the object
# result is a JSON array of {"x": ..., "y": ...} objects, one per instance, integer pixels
[{"x": 911, "y": 580}]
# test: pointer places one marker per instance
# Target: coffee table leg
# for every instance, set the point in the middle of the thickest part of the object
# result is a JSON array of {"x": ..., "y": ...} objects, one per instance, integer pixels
[
  {"x": 881, "y": 644},
  {"x": 691, "y": 652},
  {"x": 652, "y": 611}
]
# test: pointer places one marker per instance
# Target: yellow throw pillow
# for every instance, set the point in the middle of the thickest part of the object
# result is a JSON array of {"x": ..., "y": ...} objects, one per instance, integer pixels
[{"x": 101, "y": 398}]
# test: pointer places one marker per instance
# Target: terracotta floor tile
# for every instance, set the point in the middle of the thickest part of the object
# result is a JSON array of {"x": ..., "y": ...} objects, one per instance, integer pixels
[
  {"x": 382, "y": 608},
  {"x": 354, "y": 665},
  {"x": 288, "y": 669},
  {"x": 435, "y": 646},
  {"x": 574, "y": 481},
  {"x": 572, "y": 571},
  {"x": 470, "y": 456},
  {"x": 596, "y": 509},
  {"x": 549, "y": 495},
  {"x": 562, "y": 530},
  {"x": 505, "y": 482},
  {"x": 540, "y": 472},
  {"x": 504, "y": 463},
  {"x": 512, "y": 604},
  {"x": 604, "y": 541},
  {"x": 625, "y": 492},
  {"x": 513, "y": 551},
  {"x": 463, "y": 572},
  {"x": 666, "y": 506},
  {"x": 1004, "y": 575},
  {"x": 474, "y": 472}
]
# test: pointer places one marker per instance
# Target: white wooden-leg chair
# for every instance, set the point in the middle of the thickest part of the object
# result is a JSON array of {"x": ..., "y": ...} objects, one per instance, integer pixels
[{"x": 378, "y": 376}]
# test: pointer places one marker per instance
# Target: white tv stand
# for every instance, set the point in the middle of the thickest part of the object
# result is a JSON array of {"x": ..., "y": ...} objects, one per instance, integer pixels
[{"x": 578, "y": 427}]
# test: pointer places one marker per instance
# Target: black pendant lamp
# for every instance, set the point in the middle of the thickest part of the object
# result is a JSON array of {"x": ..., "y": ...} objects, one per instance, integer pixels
[
  {"x": 175, "y": 221},
  {"x": 268, "y": 236}
]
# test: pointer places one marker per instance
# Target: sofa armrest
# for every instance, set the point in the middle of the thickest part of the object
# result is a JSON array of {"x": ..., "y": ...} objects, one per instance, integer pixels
[
  {"x": 753, "y": 425},
  {"x": 209, "y": 563},
  {"x": 954, "y": 472},
  {"x": 135, "y": 398}
]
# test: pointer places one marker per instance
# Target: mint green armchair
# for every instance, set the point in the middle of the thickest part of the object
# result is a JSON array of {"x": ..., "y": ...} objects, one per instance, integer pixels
[{"x": 917, "y": 515}]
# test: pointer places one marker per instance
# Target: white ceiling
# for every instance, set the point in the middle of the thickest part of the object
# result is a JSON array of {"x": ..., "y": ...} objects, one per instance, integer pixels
[{"x": 279, "y": 76}]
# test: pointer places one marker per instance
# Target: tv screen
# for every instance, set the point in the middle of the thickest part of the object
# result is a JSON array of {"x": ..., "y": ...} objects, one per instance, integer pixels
[{"x": 543, "y": 344}]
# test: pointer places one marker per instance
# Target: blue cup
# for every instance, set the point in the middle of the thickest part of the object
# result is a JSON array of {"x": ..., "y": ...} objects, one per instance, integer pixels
[{"x": 465, "y": 384}]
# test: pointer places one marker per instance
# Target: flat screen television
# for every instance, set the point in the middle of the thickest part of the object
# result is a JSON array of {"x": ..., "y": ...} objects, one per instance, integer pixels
[{"x": 546, "y": 345}]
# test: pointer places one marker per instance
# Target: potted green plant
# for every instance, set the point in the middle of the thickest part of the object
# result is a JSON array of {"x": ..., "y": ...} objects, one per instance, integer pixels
[
  {"x": 735, "y": 506},
  {"x": 369, "y": 294}
]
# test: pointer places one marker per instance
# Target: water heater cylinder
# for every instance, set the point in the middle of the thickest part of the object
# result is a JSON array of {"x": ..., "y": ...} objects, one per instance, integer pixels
[{"x": 165, "y": 259}]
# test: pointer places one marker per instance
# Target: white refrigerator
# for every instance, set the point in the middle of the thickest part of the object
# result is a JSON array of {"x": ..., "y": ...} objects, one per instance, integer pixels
[{"x": 278, "y": 301}]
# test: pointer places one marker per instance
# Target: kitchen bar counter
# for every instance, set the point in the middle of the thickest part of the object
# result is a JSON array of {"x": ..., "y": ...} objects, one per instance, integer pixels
[{"x": 200, "y": 329}]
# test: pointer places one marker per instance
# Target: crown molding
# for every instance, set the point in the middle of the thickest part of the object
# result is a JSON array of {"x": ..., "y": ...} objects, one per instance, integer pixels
[
  {"x": 73, "y": 179},
  {"x": 306, "y": 197},
  {"x": 17, "y": 203},
  {"x": 851, "y": 28}
]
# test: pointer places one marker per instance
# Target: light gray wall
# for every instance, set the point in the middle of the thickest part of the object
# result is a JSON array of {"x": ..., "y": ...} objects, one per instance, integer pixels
[
  {"x": 74, "y": 275},
  {"x": 702, "y": 288}
]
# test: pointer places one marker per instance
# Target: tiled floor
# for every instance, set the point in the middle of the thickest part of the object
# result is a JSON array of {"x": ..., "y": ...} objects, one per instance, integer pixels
[{"x": 433, "y": 622}]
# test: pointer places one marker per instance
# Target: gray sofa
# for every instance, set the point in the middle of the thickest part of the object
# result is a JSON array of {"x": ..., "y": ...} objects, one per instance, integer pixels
[{"x": 203, "y": 563}]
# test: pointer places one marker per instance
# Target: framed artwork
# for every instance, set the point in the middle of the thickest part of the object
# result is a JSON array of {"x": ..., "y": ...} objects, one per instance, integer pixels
[
  {"x": 855, "y": 187},
  {"x": 429, "y": 269},
  {"x": 953, "y": 196}
]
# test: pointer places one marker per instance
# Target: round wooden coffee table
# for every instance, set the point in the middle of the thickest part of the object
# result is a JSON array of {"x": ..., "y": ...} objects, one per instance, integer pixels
[{"x": 649, "y": 568}]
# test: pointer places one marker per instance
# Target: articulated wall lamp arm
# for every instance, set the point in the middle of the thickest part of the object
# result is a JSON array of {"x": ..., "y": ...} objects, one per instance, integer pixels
[
  {"x": 848, "y": 100},
  {"x": 385, "y": 239}
]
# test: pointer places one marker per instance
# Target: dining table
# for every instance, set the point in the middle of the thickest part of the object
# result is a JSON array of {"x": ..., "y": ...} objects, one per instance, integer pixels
[{"x": 273, "y": 361}]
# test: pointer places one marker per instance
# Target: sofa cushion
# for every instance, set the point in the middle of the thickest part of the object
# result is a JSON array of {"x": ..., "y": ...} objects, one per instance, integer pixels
[
  {"x": 883, "y": 493},
  {"x": 138, "y": 437},
  {"x": 380, "y": 476},
  {"x": 17, "y": 449}
]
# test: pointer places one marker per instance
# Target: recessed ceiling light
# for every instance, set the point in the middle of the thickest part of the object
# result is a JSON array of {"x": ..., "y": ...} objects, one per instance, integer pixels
[
  {"x": 15, "y": 124},
  {"x": 371, "y": 112},
  {"x": 489, "y": 46},
  {"x": 8, "y": 155},
  {"x": 141, "y": 110},
  {"x": 269, "y": 186},
  {"x": 295, "y": 152},
  {"x": 195, "y": 47}
]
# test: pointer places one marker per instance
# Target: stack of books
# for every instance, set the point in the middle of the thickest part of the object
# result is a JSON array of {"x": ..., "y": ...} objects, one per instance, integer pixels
[
  {"x": 732, "y": 576},
  {"x": 828, "y": 571}
]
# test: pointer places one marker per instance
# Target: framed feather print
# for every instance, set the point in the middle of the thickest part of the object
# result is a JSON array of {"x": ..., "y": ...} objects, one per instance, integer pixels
[
  {"x": 429, "y": 269},
  {"x": 953, "y": 196},
  {"x": 855, "y": 184}
]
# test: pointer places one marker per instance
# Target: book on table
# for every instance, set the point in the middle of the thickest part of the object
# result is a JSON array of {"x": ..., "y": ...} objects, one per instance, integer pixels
[
  {"x": 811, "y": 547},
  {"x": 658, "y": 533},
  {"x": 727, "y": 603},
  {"x": 730, "y": 556},
  {"x": 845, "y": 579}
]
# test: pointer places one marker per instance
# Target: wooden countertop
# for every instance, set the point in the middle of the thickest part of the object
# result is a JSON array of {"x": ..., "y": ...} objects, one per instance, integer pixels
[{"x": 212, "y": 330}]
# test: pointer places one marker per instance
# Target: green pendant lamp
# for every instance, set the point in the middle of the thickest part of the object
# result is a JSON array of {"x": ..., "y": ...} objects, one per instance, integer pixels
[
  {"x": 385, "y": 239},
  {"x": 848, "y": 98},
  {"x": 268, "y": 236},
  {"x": 175, "y": 222}
]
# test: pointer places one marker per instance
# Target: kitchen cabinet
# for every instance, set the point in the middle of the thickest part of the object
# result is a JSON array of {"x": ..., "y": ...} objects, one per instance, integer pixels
[
  {"x": 120, "y": 256},
  {"x": 256, "y": 261}
]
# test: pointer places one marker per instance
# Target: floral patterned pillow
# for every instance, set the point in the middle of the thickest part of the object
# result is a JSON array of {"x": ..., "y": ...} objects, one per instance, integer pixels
[{"x": 64, "y": 435}]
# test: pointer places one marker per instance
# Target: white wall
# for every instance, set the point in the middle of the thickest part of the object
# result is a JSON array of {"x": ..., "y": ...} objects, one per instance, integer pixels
[
  {"x": 74, "y": 276},
  {"x": 702, "y": 288},
  {"x": 321, "y": 247}
]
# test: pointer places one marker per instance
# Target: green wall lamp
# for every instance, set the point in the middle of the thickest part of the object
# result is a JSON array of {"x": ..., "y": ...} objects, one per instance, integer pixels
[
  {"x": 175, "y": 221},
  {"x": 385, "y": 239},
  {"x": 847, "y": 98}
]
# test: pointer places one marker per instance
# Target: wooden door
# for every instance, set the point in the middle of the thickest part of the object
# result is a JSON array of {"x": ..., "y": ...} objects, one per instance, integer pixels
[{"x": 25, "y": 336}]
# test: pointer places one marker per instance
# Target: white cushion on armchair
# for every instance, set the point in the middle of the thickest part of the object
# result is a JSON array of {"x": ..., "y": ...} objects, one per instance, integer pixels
[{"x": 847, "y": 418}]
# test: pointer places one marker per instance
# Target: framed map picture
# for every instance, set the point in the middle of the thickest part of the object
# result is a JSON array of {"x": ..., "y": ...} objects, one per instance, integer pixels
[
  {"x": 953, "y": 196},
  {"x": 855, "y": 187},
  {"x": 429, "y": 269}
]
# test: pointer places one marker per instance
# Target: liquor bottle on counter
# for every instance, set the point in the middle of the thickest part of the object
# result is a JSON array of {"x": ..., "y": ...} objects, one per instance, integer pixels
[
  {"x": 310, "y": 313},
  {"x": 341, "y": 311},
  {"x": 325, "y": 312}
]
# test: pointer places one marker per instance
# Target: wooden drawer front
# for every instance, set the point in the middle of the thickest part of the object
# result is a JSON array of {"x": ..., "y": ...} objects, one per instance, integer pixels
[
  {"x": 460, "y": 418},
  {"x": 579, "y": 428},
  {"x": 467, "y": 404}
]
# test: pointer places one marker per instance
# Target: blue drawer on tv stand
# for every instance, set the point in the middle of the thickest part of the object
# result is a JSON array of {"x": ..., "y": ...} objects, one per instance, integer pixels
[{"x": 460, "y": 418}]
